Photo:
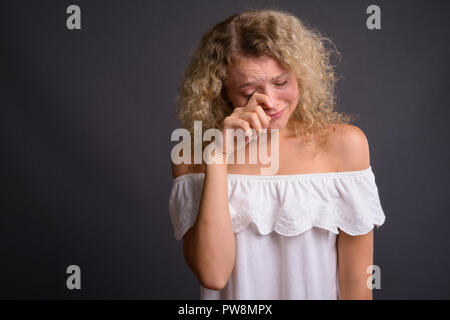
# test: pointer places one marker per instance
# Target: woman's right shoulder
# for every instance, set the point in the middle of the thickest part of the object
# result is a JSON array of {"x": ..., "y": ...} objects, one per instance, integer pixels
[{"x": 184, "y": 168}]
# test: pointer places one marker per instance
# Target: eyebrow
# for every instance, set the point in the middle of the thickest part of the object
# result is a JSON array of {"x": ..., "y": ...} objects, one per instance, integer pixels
[{"x": 251, "y": 82}]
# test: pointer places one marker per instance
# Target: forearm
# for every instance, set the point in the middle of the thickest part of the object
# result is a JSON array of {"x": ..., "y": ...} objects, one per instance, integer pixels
[
  {"x": 354, "y": 290},
  {"x": 212, "y": 244},
  {"x": 355, "y": 255}
]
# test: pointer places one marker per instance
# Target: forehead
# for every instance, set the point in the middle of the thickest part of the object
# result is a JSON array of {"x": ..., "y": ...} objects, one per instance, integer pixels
[{"x": 254, "y": 68}]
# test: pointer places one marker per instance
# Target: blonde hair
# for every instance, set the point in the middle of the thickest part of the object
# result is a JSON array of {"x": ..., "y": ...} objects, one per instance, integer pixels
[{"x": 257, "y": 32}]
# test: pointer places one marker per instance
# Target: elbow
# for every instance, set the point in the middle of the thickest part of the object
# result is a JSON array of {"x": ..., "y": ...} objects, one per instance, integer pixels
[
  {"x": 210, "y": 275},
  {"x": 207, "y": 278},
  {"x": 213, "y": 283},
  {"x": 213, "y": 280}
]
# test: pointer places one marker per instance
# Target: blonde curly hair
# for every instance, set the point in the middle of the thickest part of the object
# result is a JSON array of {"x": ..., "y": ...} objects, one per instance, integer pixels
[{"x": 257, "y": 32}]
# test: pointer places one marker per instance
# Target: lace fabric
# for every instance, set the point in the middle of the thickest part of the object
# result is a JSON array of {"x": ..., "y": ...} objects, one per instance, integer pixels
[{"x": 286, "y": 204}]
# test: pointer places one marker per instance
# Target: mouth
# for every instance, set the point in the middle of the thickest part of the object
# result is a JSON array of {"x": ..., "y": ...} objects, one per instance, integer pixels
[{"x": 277, "y": 114}]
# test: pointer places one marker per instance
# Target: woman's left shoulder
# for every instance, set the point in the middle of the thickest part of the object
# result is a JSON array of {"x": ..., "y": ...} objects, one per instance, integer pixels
[{"x": 349, "y": 146}]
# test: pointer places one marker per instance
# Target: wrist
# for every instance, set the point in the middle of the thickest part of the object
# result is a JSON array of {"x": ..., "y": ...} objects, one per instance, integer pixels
[{"x": 217, "y": 158}]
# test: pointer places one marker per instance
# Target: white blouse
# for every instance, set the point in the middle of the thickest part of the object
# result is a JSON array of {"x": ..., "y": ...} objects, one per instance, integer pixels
[{"x": 285, "y": 229}]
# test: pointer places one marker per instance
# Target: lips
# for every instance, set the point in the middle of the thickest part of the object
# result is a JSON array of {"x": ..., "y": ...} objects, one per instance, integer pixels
[{"x": 277, "y": 114}]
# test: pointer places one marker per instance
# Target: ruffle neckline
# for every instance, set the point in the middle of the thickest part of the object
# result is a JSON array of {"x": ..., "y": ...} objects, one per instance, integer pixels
[
  {"x": 286, "y": 204},
  {"x": 300, "y": 176}
]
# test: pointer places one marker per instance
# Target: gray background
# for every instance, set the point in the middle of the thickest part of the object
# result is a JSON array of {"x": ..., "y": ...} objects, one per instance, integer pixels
[{"x": 86, "y": 118}]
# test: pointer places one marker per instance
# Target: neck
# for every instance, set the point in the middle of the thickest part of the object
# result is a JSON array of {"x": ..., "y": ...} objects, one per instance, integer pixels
[{"x": 283, "y": 133}]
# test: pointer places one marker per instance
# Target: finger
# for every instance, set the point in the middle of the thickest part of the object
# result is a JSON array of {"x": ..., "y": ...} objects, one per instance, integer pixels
[
  {"x": 259, "y": 98},
  {"x": 238, "y": 123},
  {"x": 240, "y": 127},
  {"x": 238, "y": 110},
  {"x": 263, "y": 117},
  {"x": 232, "y": 126},
  {"x": 253, "y": 119}
]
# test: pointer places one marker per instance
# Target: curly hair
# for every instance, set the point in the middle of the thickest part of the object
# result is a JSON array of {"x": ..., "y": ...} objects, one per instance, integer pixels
[{"x": 257, "y": 32}]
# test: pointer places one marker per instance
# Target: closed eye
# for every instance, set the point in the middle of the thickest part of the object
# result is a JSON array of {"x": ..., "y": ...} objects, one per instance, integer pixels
[
  {"x": 281, "y": 84},
  {"x": 249, "y": 95},
  {"x": 277, "y": 84}
]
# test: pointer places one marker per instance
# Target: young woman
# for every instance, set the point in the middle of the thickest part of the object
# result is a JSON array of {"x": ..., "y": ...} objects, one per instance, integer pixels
[{"x": 305, "y": 232}]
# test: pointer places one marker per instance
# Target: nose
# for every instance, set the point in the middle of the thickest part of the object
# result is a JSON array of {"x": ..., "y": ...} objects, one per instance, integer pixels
[{"x": 270, "y": 94}]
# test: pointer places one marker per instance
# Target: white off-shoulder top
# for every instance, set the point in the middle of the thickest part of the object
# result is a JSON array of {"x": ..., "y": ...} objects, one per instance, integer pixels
[{"x": 285, "y": 228}]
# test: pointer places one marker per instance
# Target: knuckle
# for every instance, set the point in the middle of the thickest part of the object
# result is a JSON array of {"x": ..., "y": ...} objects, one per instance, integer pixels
[{"x": 243, "y": 122}]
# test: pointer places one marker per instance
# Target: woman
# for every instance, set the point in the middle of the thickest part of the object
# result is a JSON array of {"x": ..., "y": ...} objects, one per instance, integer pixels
[{"x": 305, "y": 232}]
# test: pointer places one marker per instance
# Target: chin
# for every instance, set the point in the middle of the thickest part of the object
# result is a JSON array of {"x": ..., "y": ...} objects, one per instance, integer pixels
[{"x": 275, "y": 125}]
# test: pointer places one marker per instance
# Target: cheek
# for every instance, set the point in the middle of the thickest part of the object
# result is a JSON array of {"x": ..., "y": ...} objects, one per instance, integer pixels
[
  {"x": 236, "y": 100},
  {"x": 289, "y": 95}
]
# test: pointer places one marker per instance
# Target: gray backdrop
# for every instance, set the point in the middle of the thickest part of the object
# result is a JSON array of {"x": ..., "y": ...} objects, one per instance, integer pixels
[{"x": 86, "y": 118}]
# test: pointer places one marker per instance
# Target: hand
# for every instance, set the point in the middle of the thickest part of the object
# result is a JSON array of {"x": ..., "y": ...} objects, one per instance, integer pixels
[{"x": 249, "y": 120}]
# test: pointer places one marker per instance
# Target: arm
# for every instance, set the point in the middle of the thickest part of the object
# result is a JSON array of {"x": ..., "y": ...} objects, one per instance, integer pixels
[
  {"x": 209, "y": 245},
  {"x": 355, "y": 253}
]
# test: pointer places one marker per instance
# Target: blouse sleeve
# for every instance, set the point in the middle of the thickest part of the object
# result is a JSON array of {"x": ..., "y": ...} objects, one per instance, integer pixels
[
  {"x": 184, "y": 201},
  {"x": 357, "y": 204},
  {"x": 346, "y": 201}
]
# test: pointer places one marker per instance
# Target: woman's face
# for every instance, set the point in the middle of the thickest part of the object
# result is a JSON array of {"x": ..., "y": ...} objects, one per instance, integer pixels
[{"x": 266, "y": 76}]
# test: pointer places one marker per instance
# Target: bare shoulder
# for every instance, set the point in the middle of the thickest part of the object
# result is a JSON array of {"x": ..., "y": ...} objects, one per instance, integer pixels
[
  {"x": 184, "y": 168},
  {"x": 350, "y": 148}
]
